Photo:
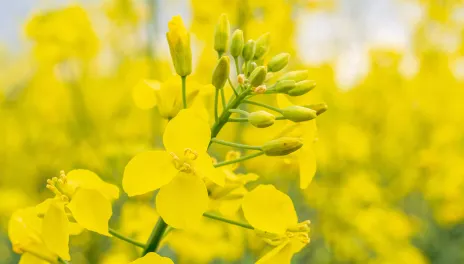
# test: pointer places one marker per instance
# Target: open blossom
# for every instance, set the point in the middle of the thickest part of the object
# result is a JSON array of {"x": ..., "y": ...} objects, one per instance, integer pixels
[
  {"x": 274, "y": 218},
  {"x": 178, "y": 172}
]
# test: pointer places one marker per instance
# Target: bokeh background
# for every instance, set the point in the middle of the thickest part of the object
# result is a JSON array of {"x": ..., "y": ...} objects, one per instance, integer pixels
[{"x": 390, "y": 181}]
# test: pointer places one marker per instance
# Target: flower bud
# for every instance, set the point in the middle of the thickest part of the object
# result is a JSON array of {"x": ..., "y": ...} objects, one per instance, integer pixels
[
  {"x": 298, "y": 113},
  {"x": 319, "y": 108},
  {"x": 249, "y": 50},
  {"x": 302, "y": 88},
  {"x": 297, "y": 76},
  {"x": 260, "y": 89},
  {"x": 282, "y": 146},
  {"x": 261, "y": 119},
  {"x": 221, "y": 72},
  {"x": 258, "y": 76},
  {"x": 278, "y": 62},
  {"x": 236, "y": 46},
  {"x": 179, "y": 46},
  {"x": 250, "y": 67},
  {"x": 241, "y": 78},
  {"x": 221, "y": 36},
  {"x": 285, "y": 85},
  {"x": 262, "y": 46}
]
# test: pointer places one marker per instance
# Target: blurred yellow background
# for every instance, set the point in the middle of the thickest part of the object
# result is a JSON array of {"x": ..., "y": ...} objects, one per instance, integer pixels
[{"x": 389, "y": 187}]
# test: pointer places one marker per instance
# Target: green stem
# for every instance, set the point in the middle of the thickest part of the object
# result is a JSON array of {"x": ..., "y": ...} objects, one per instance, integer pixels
[
  {"x": 281, "y": 118},
  {"x": 238, "y": 120},
  {"x": 232, "y": 86},
  {"x": 263, "y": 105},
  {"x": 155, "y": 237},
  {"x": 237, "y": 68},
  {"x": 223, "y": 97},
  {"x": 184, "y": 91},
  {"x": 247, "y": 157},
  {"x": 216, "y": 103},
  {"x": 236, "y": 145},
  {"x": 229, "y": 221},
  {"x": 239, "y": 111},
  {"x": 124, "y": 238},
  {"x": 219, "y": 124},
  {"x": 62, "y": 261}
]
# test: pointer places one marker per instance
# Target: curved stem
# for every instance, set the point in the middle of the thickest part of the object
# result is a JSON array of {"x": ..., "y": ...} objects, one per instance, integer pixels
[
  {"x": 247, "y": 157},
  {"x": 232, "y": 86},
  {"x": 184, "y": 91},
  {"x": 124, "y": 238},
  {"x": 236, "y": 145},
  {"x": 229, "y": 221},
  {"x": 263, "y": 105},
  {"x": 239, "y": 111},
  {"x": 155, "y": 237}
]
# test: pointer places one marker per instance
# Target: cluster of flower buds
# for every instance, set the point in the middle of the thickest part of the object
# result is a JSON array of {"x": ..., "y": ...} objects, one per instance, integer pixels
[{"x": 257, "y": 77}]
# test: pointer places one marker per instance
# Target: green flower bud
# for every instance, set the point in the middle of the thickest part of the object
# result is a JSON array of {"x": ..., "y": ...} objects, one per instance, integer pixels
[
  {"x": 221, "y": 72},
  {"x": 237, "y": 43},
  {"x": 298, "y": 113},
  {"x": 262, "y": 46},
  {"x": 249, "y": 50},
  {"x": 250, "y": 67},
  {"x": 319, "y": 108},
  {"x": 278, "y": 62},
  {"x": 261, "y": 119},
  {"x": 258, "y": 76},
  {"x": 285, "y": 85},
  {"x": 282, "y": 146},
  {"x": 297, "y": 76},
  {"x": 302, "y": 88},
  {"x": 221, "y": 36}
]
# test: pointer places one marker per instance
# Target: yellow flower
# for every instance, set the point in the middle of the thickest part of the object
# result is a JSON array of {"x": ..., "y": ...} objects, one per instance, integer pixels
[
  {"x": 179, "y": 45},
  {"x": 87, "y": 197},
  {"x": 152, "y": 258},
  {"x": 274, "y": 218},
  {"x": 40, "y": 239},
  {"x": 167, "y": 96},
  {"x": 178, "y": 172}
]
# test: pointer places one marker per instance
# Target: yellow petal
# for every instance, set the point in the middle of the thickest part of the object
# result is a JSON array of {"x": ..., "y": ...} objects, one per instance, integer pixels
[
  {"x": 55, "y": 230},
  {"x": 28, "y": 258},
  {"x": 183, "y": 201},
  {"x": 24, "y": 227},
  {"x": 144, "y": 93},
  {"x": 269, "y": 209},
  {"x": 204, "y": 167},
  {"x": 187, "y": 130},
  {"x": 148, "y": 171},
  {"x": 279, "y": 255},
  {"x": 91, "y": 210},
  {"x": 307, "y": 161},
  {"x": 152, "y": 258},
  {"x": 89, "y": 180}
]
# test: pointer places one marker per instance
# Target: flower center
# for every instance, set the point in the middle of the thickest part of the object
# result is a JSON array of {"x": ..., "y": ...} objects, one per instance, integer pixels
[
  {"x": 60, "y": 187},
  {"x": 184, "y": 164}
]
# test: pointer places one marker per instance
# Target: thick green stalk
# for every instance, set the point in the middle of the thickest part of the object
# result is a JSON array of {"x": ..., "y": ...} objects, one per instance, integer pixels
[
  {"x": 155, "y": 237},
  {"x": 219, "y": 124}
]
